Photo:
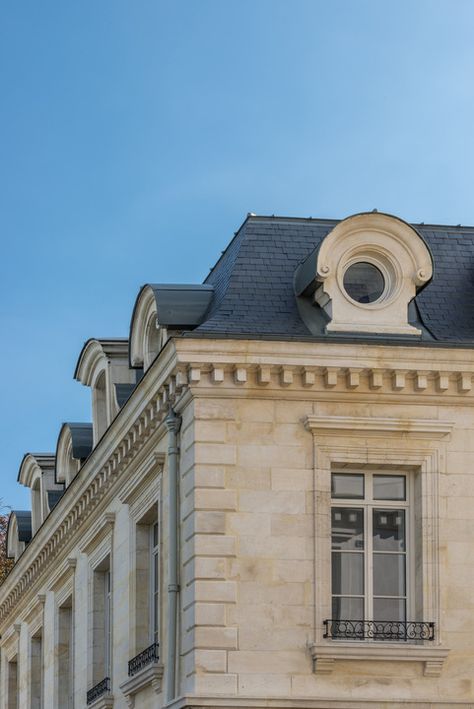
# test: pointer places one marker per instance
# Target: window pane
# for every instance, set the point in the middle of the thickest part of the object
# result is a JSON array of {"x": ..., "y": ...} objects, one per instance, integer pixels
[
  {"x": 348, "y": 486},
  {"x": 348, "y": 573},
  {"x": 348, "y": 608},
  {"x": 347, "y": 528},
  {"x": 389, "y": 574},
  {"x": 155, "y": 534},
  {"x": 364, "y": 282},
  {"x": 389, "y": 530},
  {"x": 389, "y": 487},
  {"x": 389, "y": 609}
]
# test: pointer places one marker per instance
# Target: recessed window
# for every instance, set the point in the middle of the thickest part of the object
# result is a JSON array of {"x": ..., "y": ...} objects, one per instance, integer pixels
[
  {"x": 364, "y": 282},
  {"x": 370, "y": 594}
]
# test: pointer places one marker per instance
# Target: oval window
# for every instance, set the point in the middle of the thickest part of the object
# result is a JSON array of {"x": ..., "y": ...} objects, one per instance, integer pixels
[{"x": 363, "y": 282}]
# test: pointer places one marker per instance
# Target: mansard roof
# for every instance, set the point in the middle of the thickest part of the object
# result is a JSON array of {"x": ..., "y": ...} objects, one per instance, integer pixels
[{"x": 254, "y": 294}]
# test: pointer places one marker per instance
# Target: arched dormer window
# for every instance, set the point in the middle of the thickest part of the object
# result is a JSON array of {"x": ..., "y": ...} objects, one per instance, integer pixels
[
  {"x": 37, "y": 473},
  {"x": 161, "y": 310},
  {"x": 18, "y": 533},
  {"x": 103, "y": 365},
  {"x": 74, "y": 446},
  {"x": 364, "y": 275}
]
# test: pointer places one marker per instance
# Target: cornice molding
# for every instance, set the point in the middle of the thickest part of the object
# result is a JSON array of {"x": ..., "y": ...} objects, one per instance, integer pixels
[{"x": 335, "y": 379}]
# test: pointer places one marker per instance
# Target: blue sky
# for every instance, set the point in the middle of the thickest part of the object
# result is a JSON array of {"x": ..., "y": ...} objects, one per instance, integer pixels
[{"x": 135, "y": 137}]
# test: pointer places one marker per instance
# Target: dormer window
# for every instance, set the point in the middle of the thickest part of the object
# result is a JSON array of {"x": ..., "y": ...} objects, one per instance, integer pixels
[{"x": 364, "y": 275}]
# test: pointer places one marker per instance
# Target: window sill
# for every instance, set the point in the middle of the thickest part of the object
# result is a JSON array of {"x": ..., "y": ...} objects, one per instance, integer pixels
[
  {"x": 325, "y": 655},
  {"x": 151, "y": 674}
]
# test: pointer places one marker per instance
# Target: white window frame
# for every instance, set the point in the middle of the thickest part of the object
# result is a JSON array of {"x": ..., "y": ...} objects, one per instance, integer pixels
[
  {"x": 368, "y": 503},
  {"x": 417, "y": 446}
]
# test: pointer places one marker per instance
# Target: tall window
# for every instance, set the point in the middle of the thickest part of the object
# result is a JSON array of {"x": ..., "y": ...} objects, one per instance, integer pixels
[
  {"x": 36, "y": 671},
  {"x": 370, "y": 535},
  {"x": 154, "y": 586},
  {"x": 147, "y": 580},
  {"x": 102, "y": 622},
  {"x": 12, "y": 684},
  {"x": 65, "y": 675},
  {"x": 107, "y": 623}
]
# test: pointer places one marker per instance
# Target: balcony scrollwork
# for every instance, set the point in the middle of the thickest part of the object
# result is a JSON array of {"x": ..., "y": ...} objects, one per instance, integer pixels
[{"x": 380, "y": 630}]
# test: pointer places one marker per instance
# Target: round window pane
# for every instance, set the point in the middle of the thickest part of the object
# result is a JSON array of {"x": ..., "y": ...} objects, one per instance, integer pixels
[{"x": 364, "y": 282}]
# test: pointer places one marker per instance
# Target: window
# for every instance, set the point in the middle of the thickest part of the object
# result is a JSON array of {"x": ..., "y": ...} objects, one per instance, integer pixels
[
  {"x": 371, "y": 560},
  {"x": 37, "y": 671},
  {"x": 154, "y": 585},
  {"x": 65, "y": 675},
  {"x": 12, "y": 684},
  {"x": 102, "y": 623},
  {"x": 147, "y": 580}
]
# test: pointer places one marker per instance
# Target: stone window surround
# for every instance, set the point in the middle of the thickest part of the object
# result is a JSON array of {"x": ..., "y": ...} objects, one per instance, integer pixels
[
  {"x": 344, "y": 440},
  {"x": 141, "y": 495}
]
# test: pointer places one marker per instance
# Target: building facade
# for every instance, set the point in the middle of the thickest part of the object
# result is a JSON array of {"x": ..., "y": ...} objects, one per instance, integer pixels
[{"x": 273, "y": 504}]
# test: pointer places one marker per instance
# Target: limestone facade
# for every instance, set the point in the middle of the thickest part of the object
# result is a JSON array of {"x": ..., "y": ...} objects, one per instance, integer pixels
[{"x": 260, "y": 426}]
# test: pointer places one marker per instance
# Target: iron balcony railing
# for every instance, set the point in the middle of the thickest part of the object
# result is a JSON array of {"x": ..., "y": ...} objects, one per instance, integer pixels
[
  {"x": 101, "y": 688},
  {"x": 388, "y": 630},
  {"x": 151, "y": 654}
]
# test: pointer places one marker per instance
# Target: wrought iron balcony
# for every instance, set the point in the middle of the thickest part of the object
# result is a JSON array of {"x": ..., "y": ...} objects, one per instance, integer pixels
[
  {"x": 103, "y": 687},
  {"x": 151, "y": 654},
  {"x": 388, "y": 630}
]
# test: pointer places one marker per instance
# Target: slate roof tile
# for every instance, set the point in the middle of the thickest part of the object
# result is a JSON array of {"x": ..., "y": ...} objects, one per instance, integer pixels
[{"x": 253, "y": 280}]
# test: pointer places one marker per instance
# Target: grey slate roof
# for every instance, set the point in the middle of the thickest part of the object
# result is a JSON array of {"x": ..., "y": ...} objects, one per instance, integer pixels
[{"x": 254, "y": 294}]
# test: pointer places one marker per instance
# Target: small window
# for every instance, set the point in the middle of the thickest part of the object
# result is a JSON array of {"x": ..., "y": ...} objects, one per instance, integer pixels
[{"x": 364, "y": 282}]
